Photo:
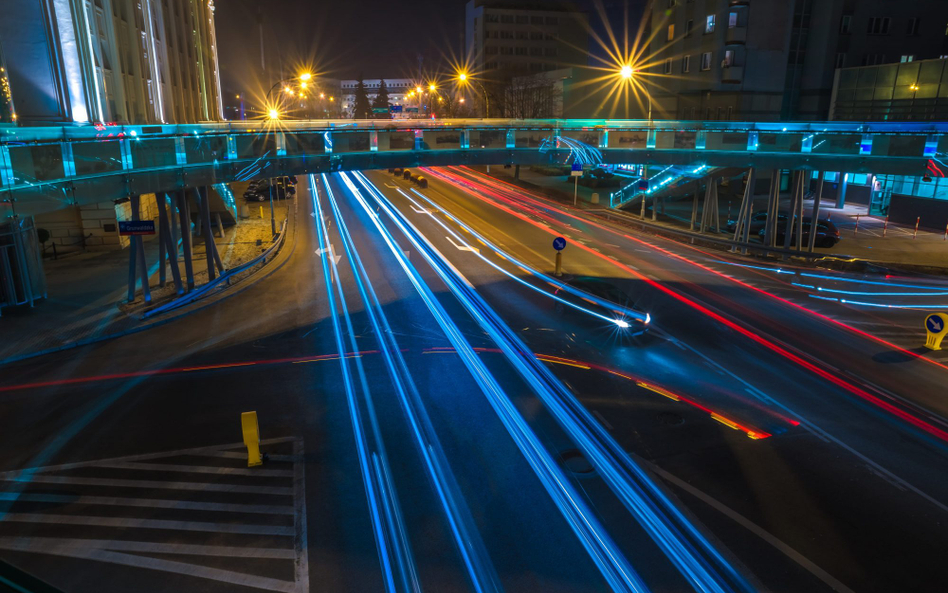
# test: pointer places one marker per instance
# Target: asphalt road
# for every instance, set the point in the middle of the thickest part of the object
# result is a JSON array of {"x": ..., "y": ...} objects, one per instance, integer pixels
[{"x": 436, "y": 421}]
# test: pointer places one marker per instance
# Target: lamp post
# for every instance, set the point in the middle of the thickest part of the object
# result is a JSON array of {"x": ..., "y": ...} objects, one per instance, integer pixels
[
  {"x": 303, "y": 79},
  {"x": 627, "y": 72},
  {"x": 463, "y": 79}
]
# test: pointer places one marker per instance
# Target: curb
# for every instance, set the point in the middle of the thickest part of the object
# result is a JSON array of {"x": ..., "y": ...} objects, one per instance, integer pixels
[{"x": 88, "y": 341}]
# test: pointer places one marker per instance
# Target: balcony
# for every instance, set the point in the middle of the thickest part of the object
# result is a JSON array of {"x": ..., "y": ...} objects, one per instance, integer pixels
[
  {"x": 736, "y": 36},
  {"x": 732, "y": 74}
]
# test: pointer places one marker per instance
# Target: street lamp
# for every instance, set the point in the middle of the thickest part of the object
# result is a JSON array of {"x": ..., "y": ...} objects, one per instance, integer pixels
[
  {"x": 627, "y": 72},
  {"x": 273, "y": 114},
  {"x": 463, "y": 78},
  {"x": 306, "y": 76},
  {"x": 303, "y": 77}
]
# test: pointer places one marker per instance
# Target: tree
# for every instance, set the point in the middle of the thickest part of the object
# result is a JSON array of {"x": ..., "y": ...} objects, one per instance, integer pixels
[
  {"x": 532, "y": 97},
  {"x": 361, "y": 109},
  {"x": 381, "y": 100}
]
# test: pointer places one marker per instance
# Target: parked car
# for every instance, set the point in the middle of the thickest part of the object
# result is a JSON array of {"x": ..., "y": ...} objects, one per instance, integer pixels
[
  {"x": 259, "y": 190},
  {"x": 827, "y": 235},
  {"x": 758, "y": 221},
  {"x": 615, "y": 299}
]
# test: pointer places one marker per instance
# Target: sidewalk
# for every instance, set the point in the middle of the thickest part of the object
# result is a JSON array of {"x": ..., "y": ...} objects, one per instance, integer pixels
[
  {"x": 87, "y": 291},
  {"x": 897, "y": 247}
]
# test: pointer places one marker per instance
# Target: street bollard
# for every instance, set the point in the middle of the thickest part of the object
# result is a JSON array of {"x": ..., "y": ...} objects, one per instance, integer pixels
[
  {"x": 261, "y": 211},
  {"x": 917, "y": 220},
  {"x": 558, "y": 270},
  {"x": 856, "y": 228},
  {"x": 946, "y": 233},
  {"x": 248, "y": 423},
  {"x": 885, "y": 226}
]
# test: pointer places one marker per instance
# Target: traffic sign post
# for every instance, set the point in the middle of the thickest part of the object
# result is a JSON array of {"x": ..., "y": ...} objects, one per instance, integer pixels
[
  {"x": 559, "y": 244},
  {"x": 576, "y": 172},
  {"x": 936, "y": 325}
]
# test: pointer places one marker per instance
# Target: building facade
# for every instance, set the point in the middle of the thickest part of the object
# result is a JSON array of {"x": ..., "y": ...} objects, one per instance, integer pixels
[
  {"x": 123, "y": 61},
  {"x": 398, "y": 90},
  {"x": 522, "y": 37},
  {"x": 915, "y": 90},
  {"x": 776, "y": 59}
]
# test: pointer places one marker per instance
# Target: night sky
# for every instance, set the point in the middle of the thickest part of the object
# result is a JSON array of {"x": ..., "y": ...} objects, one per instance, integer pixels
[{"x": 343, "y": 38}]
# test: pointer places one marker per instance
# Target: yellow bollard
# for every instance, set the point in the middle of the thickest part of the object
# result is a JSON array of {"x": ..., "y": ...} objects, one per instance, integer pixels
[
  {"x": 261, "y": 211},
  {"x": 248, "y": 422},
  {"x": 558, "y": 266},
  {"x": 936, "y": 325}
]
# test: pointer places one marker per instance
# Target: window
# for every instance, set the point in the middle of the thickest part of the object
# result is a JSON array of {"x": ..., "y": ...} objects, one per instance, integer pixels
[
  {"x": 491, "y": 18},
  {"x": 873, "y": 59},
  {"x": 521, "y": 51},
  {"x": 490, "y": 51},
  {"x": 506, "y": 35},
  {"x": 536, "y": 51},
  {"x": 686, "y": 64},
  {"x": 506, "y": 18},
  {"x": 846, "y": 24},
  {"x": 506, "y": 51},
  {"x": 549, "y": 51},
  {"x": 878, "y": 25},
  {"x": 688, "y": 27},
  {"x": 536, "y": 36},
  {"x": 668, "y": 65},
  {"x": 728, "y": 59},
  {"x": 522, "y": 35},
  {"x": 671, "y": 33},
  {"x": 840, "y": 60},
  {"x": 912, "y": 28},
  {"x": 536, "y": 20},
  {"x": 709, "y": 24},
  {"x": 943, "y": 57},
  {"x": 732, "y": 20},
  {"x": 706, "y": 61},
  {"x": 552, "y": 20},
  {"x": 907, "y": 58},
  {"x": 522, "y": 19}
]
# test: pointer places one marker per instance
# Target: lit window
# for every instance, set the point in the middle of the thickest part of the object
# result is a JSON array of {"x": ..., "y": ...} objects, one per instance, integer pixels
[
  {"x": 709, "y": 24},
  {"x": 728, "y": 59},
  {"x": 671, "y": 33},
  {"x": 706, "y": 61},
  {"x": 907, "y": 58},
  {"x": 732, "y": 20}
]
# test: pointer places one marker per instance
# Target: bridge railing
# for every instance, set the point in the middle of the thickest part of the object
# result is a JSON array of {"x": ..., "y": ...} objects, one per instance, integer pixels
[{"x": 45, "y": 167}]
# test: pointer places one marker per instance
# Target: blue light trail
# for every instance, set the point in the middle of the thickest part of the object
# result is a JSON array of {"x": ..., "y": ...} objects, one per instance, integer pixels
[{"x": 641, "y": 496}]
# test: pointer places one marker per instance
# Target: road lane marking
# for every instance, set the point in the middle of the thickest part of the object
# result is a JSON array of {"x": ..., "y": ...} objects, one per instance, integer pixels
[
  {"x": 135, "y": 523},
  {"x": 462, "y": 247},
  {"x": 119, "y": 483},
  {"x": 138, "y": 561},
  {"x": 760, "y": 532},
  {"x": 155, "y": 503},
  {"x": 34, "y": 544},
  {"x": 198, "y": 469}
]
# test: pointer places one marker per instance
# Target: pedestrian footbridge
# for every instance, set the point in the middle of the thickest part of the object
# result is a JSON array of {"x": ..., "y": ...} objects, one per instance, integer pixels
[{"x": 47, "y": 168}]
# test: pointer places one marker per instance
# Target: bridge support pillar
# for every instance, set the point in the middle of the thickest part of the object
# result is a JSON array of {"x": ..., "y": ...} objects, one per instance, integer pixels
[
  {"x": 136, "y": 256},
  {"x": 815, "y": 214},
  {"x": 841, "y": 192},
  {"x": 709, "y": 211},
  {"x": 796, "y": 203},
  {"x": 184, "y": 215},
  {"x": 210, "y": 248},
  {"x": 746, "y": 212},
  {"x": 694, "y": 205},
  {"x": 166, "y": 241},
  {"x": 773, "y": 207}
]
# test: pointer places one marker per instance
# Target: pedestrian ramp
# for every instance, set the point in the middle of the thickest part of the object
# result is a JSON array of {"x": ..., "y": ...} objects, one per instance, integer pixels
[{"x": 177, "y": 520}]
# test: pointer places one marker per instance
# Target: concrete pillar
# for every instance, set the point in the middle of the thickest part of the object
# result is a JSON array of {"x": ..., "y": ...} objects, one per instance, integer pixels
[{"x": 841, "y": 192}]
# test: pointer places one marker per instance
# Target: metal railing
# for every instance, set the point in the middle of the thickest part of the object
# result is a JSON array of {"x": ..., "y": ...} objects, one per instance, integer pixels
[{"x": 47, "y": 168}]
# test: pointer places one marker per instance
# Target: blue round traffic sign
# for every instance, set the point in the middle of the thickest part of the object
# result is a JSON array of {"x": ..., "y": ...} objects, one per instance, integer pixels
[
  {"x": 934, "y": 323},
  {"x": 559, "y": 243}
]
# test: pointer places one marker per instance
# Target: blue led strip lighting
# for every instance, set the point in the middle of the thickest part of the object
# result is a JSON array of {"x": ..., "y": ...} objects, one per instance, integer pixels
[
  {"x": 696, "y": 559},
  {"x": 603, "y": 551},
  {"x": 377, "y": 507},
  {"x": 476, "y": 560}
]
